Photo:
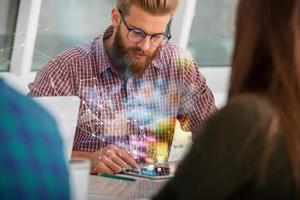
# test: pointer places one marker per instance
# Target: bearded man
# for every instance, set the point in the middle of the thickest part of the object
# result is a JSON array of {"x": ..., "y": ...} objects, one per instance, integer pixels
[{"x": 133, "y": 84}]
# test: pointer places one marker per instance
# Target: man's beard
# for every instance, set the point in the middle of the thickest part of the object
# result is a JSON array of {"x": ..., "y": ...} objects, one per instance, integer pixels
[{"x": 122, "y": 58}]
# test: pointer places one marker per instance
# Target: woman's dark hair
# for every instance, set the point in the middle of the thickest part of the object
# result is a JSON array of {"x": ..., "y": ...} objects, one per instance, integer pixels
[{"x": 266, "y": 61}]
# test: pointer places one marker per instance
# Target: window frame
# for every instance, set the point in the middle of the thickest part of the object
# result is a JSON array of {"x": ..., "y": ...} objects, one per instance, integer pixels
[{"x": 27, "y": 23}]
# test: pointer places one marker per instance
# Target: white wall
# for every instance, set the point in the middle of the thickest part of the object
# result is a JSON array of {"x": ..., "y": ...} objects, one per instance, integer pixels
[{"x": 218, "y": 80}]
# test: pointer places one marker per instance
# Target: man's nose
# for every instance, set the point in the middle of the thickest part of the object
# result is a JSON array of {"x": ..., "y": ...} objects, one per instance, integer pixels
[{"x": 145, "y": 44}]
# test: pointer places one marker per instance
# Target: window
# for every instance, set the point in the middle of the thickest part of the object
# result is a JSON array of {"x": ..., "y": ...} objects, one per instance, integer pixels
[
  {"x": 211, "y": 38},
  {"x": 8, "y": 19},
  {"x": 63, "y": 24}
]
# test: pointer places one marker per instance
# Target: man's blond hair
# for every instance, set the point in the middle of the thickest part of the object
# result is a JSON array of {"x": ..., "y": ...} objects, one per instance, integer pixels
[{"x": 155, "y": 7}]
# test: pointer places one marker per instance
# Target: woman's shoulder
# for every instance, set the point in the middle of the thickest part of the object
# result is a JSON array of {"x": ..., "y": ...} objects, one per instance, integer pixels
[
  {"x": 240, "y": 115},
  {"x": 250, "y": 100},
  {"x": 249, "y": 105}
]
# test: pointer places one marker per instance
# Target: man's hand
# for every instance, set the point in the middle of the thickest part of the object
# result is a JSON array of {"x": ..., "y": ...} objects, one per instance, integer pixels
[{"x": 112, "y": 159}]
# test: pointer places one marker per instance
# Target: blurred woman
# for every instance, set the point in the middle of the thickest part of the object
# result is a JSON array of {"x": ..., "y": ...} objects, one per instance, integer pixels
[{"x": 250, "y": 149}]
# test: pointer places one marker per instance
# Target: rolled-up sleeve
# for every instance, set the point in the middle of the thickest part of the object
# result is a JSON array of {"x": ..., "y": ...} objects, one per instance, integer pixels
[{"x": 197, "y": 100}]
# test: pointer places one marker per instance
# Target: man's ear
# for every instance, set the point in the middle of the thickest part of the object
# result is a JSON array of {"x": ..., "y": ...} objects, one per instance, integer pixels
[{"x": 115, "y": 17}]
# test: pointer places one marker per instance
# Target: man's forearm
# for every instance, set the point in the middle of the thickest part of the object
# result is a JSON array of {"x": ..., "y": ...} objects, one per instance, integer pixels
[{"x": 83, "y": 154}]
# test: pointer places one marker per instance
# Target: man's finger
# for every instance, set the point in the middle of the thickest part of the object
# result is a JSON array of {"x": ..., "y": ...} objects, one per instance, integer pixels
[
  {"x": 127, "y": 158},
  {"x": 104, "y": 169},
  {"x": 129, "y": 153},
  {"x": 112, "y": 154},
  {"x": 119, "y": 161},
  {"x": 111, "y": 164},
  {"x": 124, "y": 154},
  {"x": 117, "y": 149}
]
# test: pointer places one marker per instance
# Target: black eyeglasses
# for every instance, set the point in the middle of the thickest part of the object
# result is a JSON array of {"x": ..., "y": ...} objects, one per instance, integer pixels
[{"x": 136, "y": 35}]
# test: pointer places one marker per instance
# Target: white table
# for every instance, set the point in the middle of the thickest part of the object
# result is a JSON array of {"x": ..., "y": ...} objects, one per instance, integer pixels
[{"x": 107, "y": 188}]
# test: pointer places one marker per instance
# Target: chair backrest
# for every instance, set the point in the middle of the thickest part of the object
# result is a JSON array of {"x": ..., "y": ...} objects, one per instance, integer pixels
[{"x": 64, "y": 110}]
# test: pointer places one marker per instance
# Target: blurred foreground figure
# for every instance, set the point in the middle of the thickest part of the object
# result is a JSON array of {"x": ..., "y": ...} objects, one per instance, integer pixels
[
  {"x": 32, "y": 164},
  {"x": 250, "y": 149}
]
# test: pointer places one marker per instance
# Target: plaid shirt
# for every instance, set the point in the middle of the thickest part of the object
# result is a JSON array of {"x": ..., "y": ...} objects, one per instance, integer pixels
[
  {"x": 31, "y": 151},
  {"x": 137, "y": 113}
]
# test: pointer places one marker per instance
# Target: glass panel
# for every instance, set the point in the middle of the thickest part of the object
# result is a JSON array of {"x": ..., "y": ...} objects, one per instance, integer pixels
[
  {"x": 63, "y": 24},
  {"x": 211, "y": 39},
  {"x": 8, "y": 19}
]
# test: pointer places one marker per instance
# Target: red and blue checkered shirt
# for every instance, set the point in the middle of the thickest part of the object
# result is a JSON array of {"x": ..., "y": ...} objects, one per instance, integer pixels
[{"x": 117, "y": 111}]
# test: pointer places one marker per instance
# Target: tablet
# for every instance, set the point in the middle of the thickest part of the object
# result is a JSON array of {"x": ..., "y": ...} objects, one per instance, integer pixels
[{"x": 155, "y": 172}]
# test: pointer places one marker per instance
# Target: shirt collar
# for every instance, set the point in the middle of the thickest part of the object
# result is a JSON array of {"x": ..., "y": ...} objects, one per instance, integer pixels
[{"x": 102, "y": 57}]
